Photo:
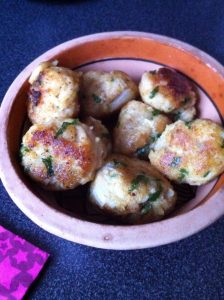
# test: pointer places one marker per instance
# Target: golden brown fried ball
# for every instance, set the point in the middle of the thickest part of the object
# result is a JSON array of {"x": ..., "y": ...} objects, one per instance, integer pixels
[
  {"x": 61, "y": 156},
  {"x": 170, "y": 92},
  {"x": 53, "y": 94},
  {"x": 131, "y": 190},
  {"x": 138, "y": 127},
  {"x": 190, "y": 153},
  {"x": 105, "y": 92}
]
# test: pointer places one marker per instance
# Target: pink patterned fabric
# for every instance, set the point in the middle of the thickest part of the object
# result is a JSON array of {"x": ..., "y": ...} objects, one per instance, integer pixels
[{"x": 20, "y": 263}]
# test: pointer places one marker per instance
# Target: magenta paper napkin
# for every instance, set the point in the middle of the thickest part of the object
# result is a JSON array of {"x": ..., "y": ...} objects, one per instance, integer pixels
[{"x": 20, "y": 263}]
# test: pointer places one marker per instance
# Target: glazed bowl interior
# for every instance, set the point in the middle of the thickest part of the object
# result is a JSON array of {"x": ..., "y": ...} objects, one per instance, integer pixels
[{"x": 132, "y": 53}]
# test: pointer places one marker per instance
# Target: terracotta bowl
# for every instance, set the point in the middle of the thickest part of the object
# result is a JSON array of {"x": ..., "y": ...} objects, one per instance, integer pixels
[{"x": 64, "y": 214}]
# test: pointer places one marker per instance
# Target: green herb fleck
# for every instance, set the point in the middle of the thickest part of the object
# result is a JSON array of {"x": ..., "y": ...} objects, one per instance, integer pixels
[
  {"x": 48, "y": 164},
  {"x": 23, "y": 151},
  {"x": 175, "y": 161},
  {"x": 153, "y": 72},
  {"x": 155, "y": 137},
  {"x": 155, "y": 112},
  {"x": 147, "y": 206},
  {"x": 183, "y": 173},
  {"x": 118, "y": 163},
  {"x": 153, "y": 197},
  {"x": 96, "y": 98},
  {"x": 105, "y": 135},
  {"x": 206, "y": 174},
  {"x": 136, "y": 181},
  {"x": 177, "y": 115},
  {"x": 154, "y": 92},
  {"x": 143, "y": 151},
  {"x": 64, "y": 127},
  {"x": 188, "y": 124}
]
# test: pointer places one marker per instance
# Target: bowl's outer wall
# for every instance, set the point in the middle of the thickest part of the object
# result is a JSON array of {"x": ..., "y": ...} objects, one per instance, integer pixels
[{"x": 189, "y": 60}]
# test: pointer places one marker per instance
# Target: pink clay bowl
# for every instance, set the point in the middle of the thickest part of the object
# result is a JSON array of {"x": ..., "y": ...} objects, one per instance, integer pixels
[{"x": 65, "y": 214}]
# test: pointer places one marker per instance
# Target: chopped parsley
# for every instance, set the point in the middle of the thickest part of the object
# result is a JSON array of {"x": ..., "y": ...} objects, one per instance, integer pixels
[
  {"x": 143, "y": 151},
  {"x": 96, "y": 98},
  {"x": 154, "y": 92},
  {"x": 155, "y": 112},
  {"x": 155, "y": 137},
  {"x": 64, "y": 127},
  {"x": 153, "y": 197},
  {"x": 23, "y": 151},
  {"x": 206, "y": 174},
  {"x": 146, "y": 207},
  {"x": 48, "y": 164},
  {"x": 183, "y": 173},
  {"x": 137, "y": 180},
  {"x": 175, "y": 161},
  {"x": 177, "y": 115},
  {"x": 188, "y": 124},
  {"x": 118, "y": 163}
]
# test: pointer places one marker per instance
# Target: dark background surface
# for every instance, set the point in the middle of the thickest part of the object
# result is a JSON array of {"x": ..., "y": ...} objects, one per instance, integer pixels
[{"x": 189, "y": 269}]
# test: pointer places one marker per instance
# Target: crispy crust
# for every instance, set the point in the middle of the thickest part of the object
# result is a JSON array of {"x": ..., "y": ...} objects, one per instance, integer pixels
[
  {"x": 73, "y": 159},
  {"x": 190, "y": 152},
  {"x": 100, "y": 89},
  {"x": 110, "y": 191},
  {"x": 53, "y": 95}
]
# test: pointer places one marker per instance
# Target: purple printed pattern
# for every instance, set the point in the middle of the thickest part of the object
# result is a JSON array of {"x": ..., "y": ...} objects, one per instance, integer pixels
[{"x": 20, "y": 263}]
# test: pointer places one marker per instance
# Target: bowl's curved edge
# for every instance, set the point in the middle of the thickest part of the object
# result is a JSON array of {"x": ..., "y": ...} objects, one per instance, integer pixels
[{"x": 105, "y": 236}]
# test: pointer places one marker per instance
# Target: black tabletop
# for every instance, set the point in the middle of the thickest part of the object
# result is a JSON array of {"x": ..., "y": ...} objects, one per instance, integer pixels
[{"x": 189, "y": 269}]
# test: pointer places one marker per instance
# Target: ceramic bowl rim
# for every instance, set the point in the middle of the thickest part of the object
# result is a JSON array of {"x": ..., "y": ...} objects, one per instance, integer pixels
[{"x": 85, "y": 232}]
